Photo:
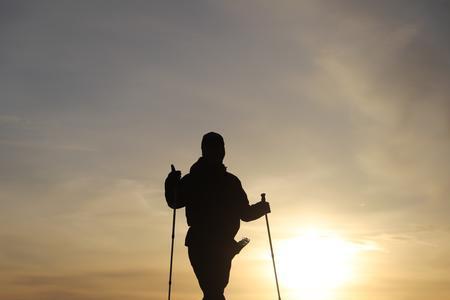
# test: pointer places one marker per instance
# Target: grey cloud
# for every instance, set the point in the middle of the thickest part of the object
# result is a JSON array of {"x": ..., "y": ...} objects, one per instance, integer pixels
[
  {"x": 100, "y": 284},
  {"x": 193, "y": 69},
  {"x": 87, "y": 278},
  {"x": 8, "y": 119},
  {"x": 17, "y": 252}
]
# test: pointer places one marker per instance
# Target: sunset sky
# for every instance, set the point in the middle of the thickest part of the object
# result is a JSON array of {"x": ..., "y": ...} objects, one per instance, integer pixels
[{"x": 338, "y": 110}]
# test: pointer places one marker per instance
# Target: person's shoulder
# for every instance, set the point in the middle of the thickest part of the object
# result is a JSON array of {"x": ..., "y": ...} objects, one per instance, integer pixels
[
  {"x": 187, "y": 177},
  {"x": 232, "y": 178}
]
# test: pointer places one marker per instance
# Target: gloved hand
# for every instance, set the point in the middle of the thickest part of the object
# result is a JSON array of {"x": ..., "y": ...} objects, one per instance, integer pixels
[
  {"x": 173, "y": 178},
  {"x": 261, "y": 208},
  {"x": 265, "y": 207}
]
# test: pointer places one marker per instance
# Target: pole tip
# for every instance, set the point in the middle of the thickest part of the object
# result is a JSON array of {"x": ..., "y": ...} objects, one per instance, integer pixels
[{"x": 263, "y": 197}]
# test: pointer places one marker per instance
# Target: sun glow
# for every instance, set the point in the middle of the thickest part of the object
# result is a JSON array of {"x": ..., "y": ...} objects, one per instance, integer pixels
[{"x": 315, "y": 263}]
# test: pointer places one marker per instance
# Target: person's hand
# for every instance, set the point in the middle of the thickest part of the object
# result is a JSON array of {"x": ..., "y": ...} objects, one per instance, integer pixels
[
  {"x": 265, "y": 207},
  {"x": 174, "y": 177}
]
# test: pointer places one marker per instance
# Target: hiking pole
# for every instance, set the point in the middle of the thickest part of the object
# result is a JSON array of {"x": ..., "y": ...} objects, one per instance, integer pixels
[
  {"x": 263, "y": 199},
  {"x": 171, "y": 250},
  {"x": 173, "y": 242}
]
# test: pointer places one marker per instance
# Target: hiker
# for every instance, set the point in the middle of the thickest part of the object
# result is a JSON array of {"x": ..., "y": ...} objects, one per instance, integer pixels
[{"x": 215, "y": 203}]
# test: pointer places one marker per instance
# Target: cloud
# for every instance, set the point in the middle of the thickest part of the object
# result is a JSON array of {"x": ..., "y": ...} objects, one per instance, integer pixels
[
  {"x": 8, "y": 119},
  {"x": 45, "y": 146},
  {"x": 109, "y": 285}
]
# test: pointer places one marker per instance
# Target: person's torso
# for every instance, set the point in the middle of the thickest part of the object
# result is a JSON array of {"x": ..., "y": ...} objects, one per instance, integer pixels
[{"x": 213, "y": 206}]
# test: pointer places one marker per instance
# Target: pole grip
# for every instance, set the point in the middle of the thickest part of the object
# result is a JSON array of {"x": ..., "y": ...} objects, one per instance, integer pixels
[{"x": 263, "y": 197}]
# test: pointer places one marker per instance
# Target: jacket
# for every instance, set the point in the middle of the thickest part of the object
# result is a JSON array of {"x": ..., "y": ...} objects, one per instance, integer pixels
[{"x": 215, "y": 204}]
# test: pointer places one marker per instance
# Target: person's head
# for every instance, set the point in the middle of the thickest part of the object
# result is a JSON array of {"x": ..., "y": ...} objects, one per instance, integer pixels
[{"x": 213, "y": 147}]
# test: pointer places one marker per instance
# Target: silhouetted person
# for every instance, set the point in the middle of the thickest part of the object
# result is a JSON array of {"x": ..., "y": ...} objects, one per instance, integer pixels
[{"x": 215, "y": 203}]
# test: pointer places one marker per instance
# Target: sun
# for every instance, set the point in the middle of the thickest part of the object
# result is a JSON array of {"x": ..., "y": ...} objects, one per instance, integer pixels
[{"x": 315, "y": 263}]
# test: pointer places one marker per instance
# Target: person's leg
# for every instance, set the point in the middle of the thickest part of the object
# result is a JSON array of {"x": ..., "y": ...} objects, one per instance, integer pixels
[{"x": 212, "y": 269}]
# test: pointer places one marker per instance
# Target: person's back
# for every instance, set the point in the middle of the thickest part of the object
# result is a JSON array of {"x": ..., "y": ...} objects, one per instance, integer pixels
[{"x": 215, "y": 203}]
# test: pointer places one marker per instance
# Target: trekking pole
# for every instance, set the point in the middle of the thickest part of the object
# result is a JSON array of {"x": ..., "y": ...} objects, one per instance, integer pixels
[
  {"x": 173, "y": 242},
  {"x": 171, "y": 250},
  {"x": 263, "y": 199}
]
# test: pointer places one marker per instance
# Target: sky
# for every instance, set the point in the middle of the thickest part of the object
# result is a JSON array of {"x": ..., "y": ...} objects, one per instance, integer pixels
[{"x": 338, "y": 110}]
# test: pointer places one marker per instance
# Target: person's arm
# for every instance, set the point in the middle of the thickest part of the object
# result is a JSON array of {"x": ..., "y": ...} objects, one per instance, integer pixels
[
  {"x": 250, "y": 212},
  {"x": 173, "y": 186},
  {"x": 255, "y": 211}
]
